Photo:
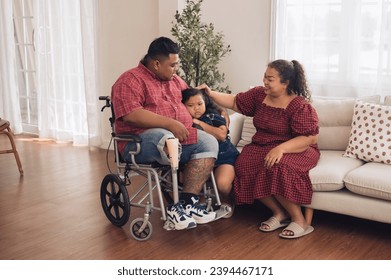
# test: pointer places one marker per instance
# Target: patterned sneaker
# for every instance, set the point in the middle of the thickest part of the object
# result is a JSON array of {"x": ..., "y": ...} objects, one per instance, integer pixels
[
  {"x": 178, "y": 217},
  {"x": 198, "y": 212}
]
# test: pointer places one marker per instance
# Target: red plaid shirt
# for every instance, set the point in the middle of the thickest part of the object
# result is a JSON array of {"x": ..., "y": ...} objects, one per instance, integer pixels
[{"x": 140, "y": 88}]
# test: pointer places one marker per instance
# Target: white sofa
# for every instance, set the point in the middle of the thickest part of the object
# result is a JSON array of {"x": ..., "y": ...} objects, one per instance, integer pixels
[{"x": 341, "y": 184}]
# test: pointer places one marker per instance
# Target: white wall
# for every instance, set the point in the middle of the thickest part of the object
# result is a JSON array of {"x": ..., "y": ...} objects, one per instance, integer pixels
[
  {"x": 246, "y": 26},
  {"x": 126, "y": 27}
]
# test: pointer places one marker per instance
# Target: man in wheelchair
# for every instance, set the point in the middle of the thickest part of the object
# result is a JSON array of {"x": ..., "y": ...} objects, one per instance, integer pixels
[{"x": 147, "y": 102}]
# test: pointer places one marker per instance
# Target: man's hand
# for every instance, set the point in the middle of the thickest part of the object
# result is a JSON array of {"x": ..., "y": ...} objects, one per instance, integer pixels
[{"x": 179, "y": 130}]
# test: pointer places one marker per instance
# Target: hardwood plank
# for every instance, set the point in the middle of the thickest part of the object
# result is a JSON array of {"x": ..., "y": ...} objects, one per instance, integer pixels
[{"x": 54, "y": 212}]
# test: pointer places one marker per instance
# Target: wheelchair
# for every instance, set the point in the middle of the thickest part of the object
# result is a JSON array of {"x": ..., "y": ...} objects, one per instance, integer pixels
[{"x": 157, "y": 178}]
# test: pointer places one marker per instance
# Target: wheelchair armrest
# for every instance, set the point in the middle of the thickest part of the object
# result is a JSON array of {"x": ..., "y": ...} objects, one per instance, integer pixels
[{"x": 129, "y": 137}]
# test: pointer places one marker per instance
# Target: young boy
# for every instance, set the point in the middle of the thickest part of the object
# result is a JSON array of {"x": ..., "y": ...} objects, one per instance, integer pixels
[{"x": 206, "y": 116}]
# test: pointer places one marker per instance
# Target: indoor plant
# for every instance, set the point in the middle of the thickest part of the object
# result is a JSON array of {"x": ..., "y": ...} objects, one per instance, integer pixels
[{"x": 202, "y": 48}]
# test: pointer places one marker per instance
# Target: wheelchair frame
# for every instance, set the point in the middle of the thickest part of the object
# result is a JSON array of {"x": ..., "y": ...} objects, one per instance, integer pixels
[{"x": 115, "y": 199}]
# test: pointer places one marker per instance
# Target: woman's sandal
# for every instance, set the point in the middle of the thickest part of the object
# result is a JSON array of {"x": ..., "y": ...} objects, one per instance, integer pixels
[
  {"x": 273, "y": 223},
  {"x": 297, "y": 230}
]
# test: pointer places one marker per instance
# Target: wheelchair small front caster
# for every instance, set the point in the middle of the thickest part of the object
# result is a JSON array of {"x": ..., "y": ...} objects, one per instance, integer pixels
[{"x": 139, "y": 231}]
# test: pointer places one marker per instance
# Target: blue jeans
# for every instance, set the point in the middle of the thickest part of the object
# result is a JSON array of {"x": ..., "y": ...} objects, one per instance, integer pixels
[{"x": 154, "y": 141}]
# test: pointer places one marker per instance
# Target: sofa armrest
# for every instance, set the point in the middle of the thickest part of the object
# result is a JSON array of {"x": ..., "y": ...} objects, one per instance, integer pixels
[{"x": 236, "y": 127}]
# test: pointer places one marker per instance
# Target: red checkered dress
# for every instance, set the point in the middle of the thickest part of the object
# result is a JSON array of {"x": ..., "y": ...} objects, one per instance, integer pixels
[{"x": 289, "y": 178}]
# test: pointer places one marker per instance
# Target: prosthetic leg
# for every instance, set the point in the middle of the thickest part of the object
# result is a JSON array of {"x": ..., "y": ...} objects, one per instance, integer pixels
[{"x": 173, "y": 153}]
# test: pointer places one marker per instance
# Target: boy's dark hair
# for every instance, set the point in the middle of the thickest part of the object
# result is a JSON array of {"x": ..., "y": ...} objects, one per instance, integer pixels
[
  {"x": 161, "y": 47},
  {"x": 211, "y": 107}
]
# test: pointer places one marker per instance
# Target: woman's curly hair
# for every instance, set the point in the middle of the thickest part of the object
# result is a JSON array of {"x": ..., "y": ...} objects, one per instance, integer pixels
[{"x": 293, "y": 73}]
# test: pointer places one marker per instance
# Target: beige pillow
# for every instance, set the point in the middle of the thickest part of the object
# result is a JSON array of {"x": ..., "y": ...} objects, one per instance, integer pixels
[
  {"x": 387, "y": 100},
  {"x": 247, "y": 132},
  {"x": 370, "y": 137}
]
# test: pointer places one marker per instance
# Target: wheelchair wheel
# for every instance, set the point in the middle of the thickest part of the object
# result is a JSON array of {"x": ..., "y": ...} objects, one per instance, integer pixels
[
  {"x": 115, "y": 200},
  {"x": 144, "y": 234}
]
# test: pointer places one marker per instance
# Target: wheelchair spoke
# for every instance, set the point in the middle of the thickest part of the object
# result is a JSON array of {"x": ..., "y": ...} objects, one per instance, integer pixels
[
  {"x": 142, "y": 234},
  {"x": 116, "y": 210}
]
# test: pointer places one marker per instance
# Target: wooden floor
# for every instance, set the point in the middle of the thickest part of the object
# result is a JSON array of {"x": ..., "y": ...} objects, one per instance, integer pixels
[{"x": 54, "y": 212}]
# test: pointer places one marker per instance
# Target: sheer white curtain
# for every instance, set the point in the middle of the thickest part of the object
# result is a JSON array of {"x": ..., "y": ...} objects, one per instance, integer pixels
[
  {"x": 344, "y": 45},
  {"x": 66, "y": 58},
  {"x": 9, "y": 91}
]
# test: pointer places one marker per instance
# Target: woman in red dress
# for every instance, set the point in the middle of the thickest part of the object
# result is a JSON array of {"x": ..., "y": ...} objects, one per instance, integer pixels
[{"x": 274, "y": 167}]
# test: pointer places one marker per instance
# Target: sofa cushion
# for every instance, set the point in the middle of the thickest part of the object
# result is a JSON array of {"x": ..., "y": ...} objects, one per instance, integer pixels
[
  {"x": 371, "y": 179},
  {"x": 335, "y": 119},
  {"x": 329, "y": 173},
  {"x": 247, "y": 132},
  {"x": 387, "y": 100},
  {"x": 370, "y": 138}
]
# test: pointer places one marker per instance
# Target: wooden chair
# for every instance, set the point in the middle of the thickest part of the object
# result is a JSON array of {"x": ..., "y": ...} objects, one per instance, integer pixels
[{"x": 5, "y": 129}]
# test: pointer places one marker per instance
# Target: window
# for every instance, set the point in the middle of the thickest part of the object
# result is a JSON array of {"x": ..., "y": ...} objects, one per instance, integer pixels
[
  {"x": 25, "y": 54},
  {"x": 344, "y": 45},
  {"x": 55, "y": 47}
]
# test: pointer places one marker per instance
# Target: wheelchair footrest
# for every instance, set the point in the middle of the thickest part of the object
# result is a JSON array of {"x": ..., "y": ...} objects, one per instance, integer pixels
[{"x": 222, "y": 212}]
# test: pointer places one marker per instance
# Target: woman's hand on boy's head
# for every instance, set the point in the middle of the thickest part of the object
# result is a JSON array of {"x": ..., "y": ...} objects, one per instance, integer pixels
[{"x": 204, "y": 87}]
